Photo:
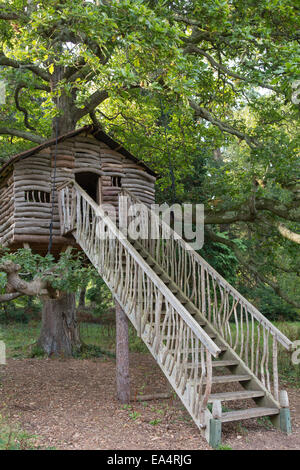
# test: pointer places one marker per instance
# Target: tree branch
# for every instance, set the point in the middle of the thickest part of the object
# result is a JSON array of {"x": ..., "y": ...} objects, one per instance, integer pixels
[
  {"x": 251, "y": 267},
  {"x": 7, "y": 13},
  {"x": 4, "y": 60},
  {"x": 93, "y": 101},
  {"x": 22, "y": 134},
  {"x": 9, "y": 297},
  {"x": 16, "y": 285},
  {"x": 287, "y": 233},
  {"x": 21, "y": 108},
  {"x": 223, "y": 126},
  {"x": 191, "y": 48}
]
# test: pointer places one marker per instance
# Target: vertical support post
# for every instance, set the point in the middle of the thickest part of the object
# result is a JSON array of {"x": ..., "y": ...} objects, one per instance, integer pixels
[
  {"x": 215, "y": 427},
  {"x": 285, "y": 415},
  {"x": 122, "y": 355}
]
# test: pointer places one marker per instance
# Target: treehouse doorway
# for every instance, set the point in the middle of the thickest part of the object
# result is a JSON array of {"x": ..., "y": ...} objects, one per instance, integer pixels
[{"x": 91, "y": 184}]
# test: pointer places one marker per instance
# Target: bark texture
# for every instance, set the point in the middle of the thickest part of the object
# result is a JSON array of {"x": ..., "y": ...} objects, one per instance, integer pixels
[
  {"x": 122, "y": 355},
  {"x": 59, "y": 333}
]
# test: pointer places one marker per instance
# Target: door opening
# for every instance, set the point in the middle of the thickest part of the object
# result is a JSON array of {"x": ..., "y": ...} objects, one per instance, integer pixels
[{"x": 91, "y": 184}]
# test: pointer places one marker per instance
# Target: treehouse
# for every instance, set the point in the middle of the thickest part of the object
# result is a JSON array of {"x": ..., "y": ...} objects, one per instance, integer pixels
[
  {"x": 212, "y": 345},
  {"x": 96, "y": 162}
]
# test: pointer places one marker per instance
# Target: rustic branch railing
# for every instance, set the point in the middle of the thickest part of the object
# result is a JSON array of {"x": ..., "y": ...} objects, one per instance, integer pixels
[
  {"x": 254, "y": 338},
  {"x": 181, "y": 347}
]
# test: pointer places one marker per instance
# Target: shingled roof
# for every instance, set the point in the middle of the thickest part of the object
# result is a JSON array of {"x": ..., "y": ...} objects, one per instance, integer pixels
[{"x": 89, "y": 129}]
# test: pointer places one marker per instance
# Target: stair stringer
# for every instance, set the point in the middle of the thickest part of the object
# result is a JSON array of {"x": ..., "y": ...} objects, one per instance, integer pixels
[
  {"x": 254, "y": 383},
  {"x": 204, "y": 427}
]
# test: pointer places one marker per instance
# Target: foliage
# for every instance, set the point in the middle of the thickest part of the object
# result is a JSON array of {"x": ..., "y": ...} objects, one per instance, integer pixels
[
  {"x": 21, "y": 310},
  {"x": 100, "y": 297},
  {"x": 204, "y": 92},
  {"x": 270, "y": 305},
  {"x": 67, "y": 274},
  {"x": 13, "y": 438}
]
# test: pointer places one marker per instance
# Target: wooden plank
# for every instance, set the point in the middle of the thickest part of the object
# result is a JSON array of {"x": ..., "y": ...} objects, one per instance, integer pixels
[
  {"x": 238, "y": 415},
  {"x": 232, "y": 396}
]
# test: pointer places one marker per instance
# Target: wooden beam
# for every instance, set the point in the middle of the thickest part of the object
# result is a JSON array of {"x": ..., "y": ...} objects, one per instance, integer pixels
[{"x": 122, "y": 355}]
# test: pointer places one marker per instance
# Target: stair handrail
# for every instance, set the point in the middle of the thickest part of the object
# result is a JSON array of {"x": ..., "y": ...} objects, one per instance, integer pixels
[
  {"x": 221, "y": 304},
  {"x": 191, "y": 322},
  {"x": 172, "y": 335},
  {"x": 258, "y": 315}
]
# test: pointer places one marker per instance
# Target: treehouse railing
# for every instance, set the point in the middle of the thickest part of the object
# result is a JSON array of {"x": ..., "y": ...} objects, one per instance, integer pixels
[
  {"x": 254, "y": 338},
  {"x": 181, "y": 347}
]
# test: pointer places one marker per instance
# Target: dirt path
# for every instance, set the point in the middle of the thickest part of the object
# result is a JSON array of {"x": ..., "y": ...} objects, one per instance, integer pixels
[{"x": 72, "y": 405}]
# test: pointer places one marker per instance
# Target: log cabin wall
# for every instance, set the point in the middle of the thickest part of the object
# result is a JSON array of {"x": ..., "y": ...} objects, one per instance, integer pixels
[
  {"x": 116, "y": 171},
  {"x": 7, "y": 207},
  {"x": 26, "y": 195},
  {"x": 32, "y": 182}
]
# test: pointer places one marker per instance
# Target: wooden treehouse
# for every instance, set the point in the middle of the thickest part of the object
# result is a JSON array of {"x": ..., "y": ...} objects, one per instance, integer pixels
[
  {"x": 88, "y": 156},
  {"x": 213, "y": 345}
]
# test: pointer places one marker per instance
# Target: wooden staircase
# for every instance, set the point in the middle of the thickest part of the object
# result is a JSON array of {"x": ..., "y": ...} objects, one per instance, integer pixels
[
  {"x": 226, "y": 361},
  {"x": 211, "y": 343}
]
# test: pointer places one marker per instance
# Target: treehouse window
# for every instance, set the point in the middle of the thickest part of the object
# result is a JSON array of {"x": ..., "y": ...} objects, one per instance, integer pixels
[
  {"x": 116, "y": 181},
  {"x": 33, "y": 195}
]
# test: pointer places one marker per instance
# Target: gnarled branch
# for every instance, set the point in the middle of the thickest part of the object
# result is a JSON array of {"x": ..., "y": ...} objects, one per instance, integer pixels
[
  {"x": 22, "y": 134},
  {"x": 250, "y": 266},
  {"x": 21, "y": 108}
]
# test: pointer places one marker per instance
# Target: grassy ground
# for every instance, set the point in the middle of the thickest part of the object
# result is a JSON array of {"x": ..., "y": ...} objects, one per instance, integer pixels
[
  {"x": 13, "y": 438},
  {"x": 20, "y": 339}
]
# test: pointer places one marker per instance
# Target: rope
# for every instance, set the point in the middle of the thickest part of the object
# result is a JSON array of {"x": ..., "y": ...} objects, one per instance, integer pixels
[
  {"x": 164, "y": 117},
  {"x": 53, "y": 192}
]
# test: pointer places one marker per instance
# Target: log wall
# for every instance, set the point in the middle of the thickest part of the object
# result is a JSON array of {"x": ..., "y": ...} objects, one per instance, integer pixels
[
  {"x": 26, "y": 205},
  {"x": 7, "y": 207}
]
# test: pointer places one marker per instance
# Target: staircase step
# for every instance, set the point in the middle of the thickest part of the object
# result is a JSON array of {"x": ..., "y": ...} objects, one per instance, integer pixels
[
  {"x": 238, "y": 415},
  {"x": 240, "y": 395},
  {"x": 190, "y": 351},
  {"x": 224, "y": 379},
  {"x": 216, "y": 364},
  {"x": 225, "y": 363}
]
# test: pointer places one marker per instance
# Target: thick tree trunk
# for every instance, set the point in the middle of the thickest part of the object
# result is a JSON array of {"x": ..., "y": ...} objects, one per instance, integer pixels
[
  {"x": 59, "y": 334},
  {"x": 122, "y": 354},
  {"x": 81, "y": 302},
  {"x": 64, "y": 102}
]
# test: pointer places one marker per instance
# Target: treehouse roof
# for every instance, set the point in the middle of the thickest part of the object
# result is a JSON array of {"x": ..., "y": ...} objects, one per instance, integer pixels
[{"x": 89, "y": 129}]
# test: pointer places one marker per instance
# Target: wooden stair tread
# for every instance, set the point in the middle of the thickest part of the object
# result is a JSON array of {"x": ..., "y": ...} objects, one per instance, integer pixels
[
  {"x": 239, "y": 395},
  {"x": 217, "y": 364},
  {"x": 225, "y": 363},
  {"x": 190, "y": 351},
  {"x": 223, "y": 379},
  {"x": 238, "y": 415}
]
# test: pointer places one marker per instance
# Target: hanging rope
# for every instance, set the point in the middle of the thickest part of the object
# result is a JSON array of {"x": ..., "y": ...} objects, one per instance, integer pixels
[
  {"x": 53, "y": 191},
  {"x": 164, "y": 117}
]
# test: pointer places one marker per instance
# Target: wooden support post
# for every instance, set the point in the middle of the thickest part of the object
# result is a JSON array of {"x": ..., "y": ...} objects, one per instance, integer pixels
[
  {"x": 122, "y": 355},
  {"x": 2, "y": 353},
  {"x": 285, "y": 415},
  {"x": 215, "y": 425}
]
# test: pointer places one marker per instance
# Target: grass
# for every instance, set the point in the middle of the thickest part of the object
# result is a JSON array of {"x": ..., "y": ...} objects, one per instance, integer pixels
[
  {"x": 224, "y": 447},
  {"x": 100, "y": 340},
  {"x": 289, "y": 373},
  {"x": 14, "y": 438},
  {"x": 105, "y": 337}
]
